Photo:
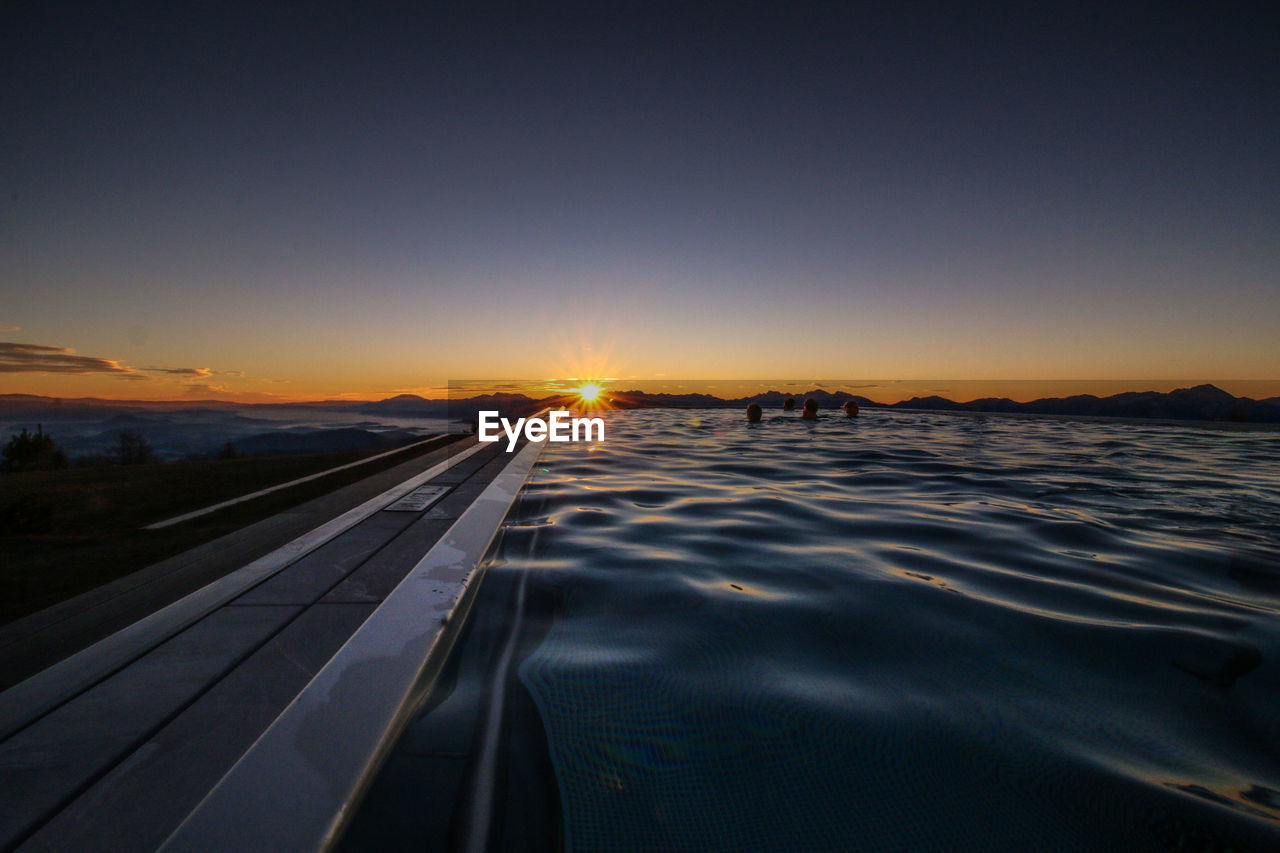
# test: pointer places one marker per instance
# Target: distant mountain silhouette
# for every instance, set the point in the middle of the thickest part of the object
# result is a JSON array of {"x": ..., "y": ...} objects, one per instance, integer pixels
[
  {"x": 54, "y": 408},
  {"x": 769, "y": 399},
  {"x": 464, "y": 409},
  {"x": 404, "y": 405},
  {"x": 1201, "y": 403}
]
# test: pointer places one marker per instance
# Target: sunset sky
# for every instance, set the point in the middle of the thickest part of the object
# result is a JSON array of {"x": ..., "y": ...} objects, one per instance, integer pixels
[{"x": 219, "y": 200}]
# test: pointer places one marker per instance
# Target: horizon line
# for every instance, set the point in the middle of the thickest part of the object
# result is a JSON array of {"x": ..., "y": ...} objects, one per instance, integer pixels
[{"x": 811, "y": 386}]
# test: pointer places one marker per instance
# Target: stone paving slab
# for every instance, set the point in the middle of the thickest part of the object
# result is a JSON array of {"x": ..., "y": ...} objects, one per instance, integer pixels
[
  {"x": 461, "y": 473},
  {"x": 49, "y": 762},
  {"x": 137, "y": 803},
  {"x": 315, "y": 574},
  {"x": 375, "y": 579}
]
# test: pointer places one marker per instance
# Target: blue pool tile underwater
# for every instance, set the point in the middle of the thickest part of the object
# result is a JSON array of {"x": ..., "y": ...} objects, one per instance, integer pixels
[{"x": 904, "y": 631}]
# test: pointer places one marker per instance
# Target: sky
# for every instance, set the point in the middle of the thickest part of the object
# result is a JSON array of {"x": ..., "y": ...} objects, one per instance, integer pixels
[{"x": 349, "y": 200}]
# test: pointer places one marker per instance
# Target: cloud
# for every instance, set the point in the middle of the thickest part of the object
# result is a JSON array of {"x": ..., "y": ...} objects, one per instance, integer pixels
[
  {"x": 199, "y": 390},
  {"x": 34, "y": 358},
  {"x": 193, "y": 372},
  {"x": 10, "y": 328}
]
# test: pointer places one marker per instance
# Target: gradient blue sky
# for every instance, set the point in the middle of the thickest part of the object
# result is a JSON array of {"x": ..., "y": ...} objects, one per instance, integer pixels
[{"x": 364, "y": 199}]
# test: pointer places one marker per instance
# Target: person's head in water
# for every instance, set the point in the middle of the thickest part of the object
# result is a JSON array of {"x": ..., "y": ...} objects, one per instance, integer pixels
[
  {"x": 810, "y": 410},
  {"x": 789, "y": 404},
  {"x": 850, "y": 409},
  {"x": 753, "y": 413}
]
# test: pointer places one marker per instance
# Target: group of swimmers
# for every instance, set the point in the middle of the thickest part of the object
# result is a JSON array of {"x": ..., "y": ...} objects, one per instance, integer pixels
[{"x": 810, "y": 412}]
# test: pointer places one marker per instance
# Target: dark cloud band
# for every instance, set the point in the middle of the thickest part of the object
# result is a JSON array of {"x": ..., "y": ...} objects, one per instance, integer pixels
[
  {"x": 35, "y": 358},
  {"x": 193, "y": 372}
]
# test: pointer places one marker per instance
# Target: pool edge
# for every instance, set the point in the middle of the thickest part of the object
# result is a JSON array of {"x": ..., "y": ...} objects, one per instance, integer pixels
[
  {"x": 38, "y": 694},
  {"x": 297, "y": 786}
]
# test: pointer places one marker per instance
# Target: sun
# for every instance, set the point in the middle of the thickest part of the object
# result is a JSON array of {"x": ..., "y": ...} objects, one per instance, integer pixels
[{"x": 590, "y": 396}]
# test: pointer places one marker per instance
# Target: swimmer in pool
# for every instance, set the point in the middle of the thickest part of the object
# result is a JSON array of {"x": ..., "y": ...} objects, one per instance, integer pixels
[
  {"x": 850, "y": 409},
  {"x": 753, "y": 413},
  {"x": 789, "y": 404},
  {"x": 810, "y": 410}
]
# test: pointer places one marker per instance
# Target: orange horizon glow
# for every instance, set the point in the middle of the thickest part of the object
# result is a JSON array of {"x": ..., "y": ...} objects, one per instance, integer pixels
[
  {"x": 594, "y": 393},
  {"x": 593, "y": 345}
]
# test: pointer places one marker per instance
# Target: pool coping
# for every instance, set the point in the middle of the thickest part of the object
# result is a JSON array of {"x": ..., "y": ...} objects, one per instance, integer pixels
[
  {"x": 297, "y": 786},
  {"x": 30, "y": 699}
]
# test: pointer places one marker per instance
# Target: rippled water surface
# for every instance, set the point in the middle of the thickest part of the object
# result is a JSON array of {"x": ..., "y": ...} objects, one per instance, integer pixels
[{"x": 905, "y": 631}]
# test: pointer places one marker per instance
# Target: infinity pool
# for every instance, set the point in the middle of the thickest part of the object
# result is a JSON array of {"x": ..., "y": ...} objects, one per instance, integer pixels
[{"x": 902, "y": 632}]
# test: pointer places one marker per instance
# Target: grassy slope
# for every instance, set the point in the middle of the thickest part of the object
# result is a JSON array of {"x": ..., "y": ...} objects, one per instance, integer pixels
[{"x": 95, "y": 532}]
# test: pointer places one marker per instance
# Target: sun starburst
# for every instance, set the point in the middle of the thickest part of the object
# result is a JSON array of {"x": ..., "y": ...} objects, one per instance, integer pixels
[{"x": 590, "y": 396}]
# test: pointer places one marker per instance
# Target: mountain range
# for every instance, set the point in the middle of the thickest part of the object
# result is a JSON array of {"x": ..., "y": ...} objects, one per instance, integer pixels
[{"x": 1200, "y": 403}]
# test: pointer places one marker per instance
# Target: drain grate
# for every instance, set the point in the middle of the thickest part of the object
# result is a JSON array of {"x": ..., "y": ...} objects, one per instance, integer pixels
[{"x": 418, "y": 500}]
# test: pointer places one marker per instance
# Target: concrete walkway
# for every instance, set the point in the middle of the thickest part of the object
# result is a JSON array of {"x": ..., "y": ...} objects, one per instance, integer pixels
[{"x": 122, "y": 760}]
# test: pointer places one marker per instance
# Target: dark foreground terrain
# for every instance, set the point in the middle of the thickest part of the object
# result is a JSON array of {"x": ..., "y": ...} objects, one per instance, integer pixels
[{"x": 64, "y": 532}]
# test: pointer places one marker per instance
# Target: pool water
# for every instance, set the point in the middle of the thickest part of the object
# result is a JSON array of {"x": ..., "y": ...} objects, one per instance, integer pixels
[{"x": 906, "y": 631}]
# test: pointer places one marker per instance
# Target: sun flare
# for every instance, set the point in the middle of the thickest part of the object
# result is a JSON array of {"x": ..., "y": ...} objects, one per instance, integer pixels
[{"x": 590, "y": 397}]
